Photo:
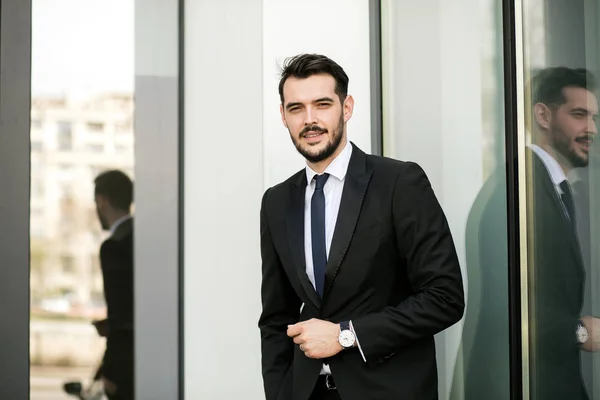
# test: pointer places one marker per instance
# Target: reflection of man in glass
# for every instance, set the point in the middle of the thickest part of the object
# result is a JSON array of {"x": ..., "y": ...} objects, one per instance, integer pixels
[
  {"x": 563, "y": 129},
  {"x": 114, "y": 195}
]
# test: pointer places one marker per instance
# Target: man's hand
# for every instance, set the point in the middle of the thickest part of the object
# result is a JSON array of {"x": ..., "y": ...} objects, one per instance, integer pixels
[
  {"x": 593, "y": 327},
  {"x": 109, "y": 387},
  {"x": 316, "y": 338}
]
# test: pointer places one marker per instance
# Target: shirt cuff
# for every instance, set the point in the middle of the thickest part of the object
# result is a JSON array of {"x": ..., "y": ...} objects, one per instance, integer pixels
[{"x": 357, "y": 342}]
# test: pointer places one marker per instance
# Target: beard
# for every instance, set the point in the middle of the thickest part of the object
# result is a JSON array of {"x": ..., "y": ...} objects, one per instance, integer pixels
[
  {"x": 564, "y": 147},
  {"x": 332, "y": 145},
  {"x": 103, "y": 222}
]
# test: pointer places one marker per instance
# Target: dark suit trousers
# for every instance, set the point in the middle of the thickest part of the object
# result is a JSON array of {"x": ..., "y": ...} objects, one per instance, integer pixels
[{"x": 118, "y": 364}]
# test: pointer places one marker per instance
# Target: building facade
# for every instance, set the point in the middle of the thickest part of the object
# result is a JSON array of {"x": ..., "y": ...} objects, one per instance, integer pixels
[{"x": 72, "y": 141}]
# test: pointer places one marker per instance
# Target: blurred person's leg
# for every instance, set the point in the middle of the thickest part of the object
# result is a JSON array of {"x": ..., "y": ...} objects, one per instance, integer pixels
[{"x": 118, "y": 367}]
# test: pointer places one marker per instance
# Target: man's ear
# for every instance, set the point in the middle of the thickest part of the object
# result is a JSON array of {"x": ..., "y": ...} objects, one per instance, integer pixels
[
  {"x": 542, "y": 115},
  {"x": 348, "y": 107}
]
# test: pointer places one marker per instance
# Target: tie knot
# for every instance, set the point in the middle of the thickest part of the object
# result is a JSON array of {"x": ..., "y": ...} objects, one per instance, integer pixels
[{"x": 320, "y": 180}]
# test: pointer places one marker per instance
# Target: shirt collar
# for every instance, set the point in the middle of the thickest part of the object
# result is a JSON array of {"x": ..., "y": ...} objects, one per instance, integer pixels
[
  {"x": 337, "y": 168},
  {"x": 557, "y": 175},
  {"x": 118, "y": 222}
]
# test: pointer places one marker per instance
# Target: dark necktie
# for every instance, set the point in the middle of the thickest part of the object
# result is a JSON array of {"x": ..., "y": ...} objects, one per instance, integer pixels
[
  {"x": 317, "y": 225},
  {"x": 567, "y": 199}
]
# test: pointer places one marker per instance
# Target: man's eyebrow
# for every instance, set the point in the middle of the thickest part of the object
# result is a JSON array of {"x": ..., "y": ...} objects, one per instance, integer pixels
[
  {"x": 324, "y": 99},
  {"x": 319, "y": 100},
  {"x": 583, "y": 110},
  {"x": 290, "y": 105}
]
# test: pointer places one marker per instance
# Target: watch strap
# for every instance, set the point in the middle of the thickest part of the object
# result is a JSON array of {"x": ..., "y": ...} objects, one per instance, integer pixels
[{"x": 345, "y": 326}]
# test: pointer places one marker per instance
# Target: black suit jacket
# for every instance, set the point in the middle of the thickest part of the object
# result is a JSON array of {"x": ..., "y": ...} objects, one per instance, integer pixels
[
  {"x": 556, "y": 280},
  {"x": 586, "y": 192},
  {"x": 116, "y": 260},
  {"x": 392, "y": 270}
]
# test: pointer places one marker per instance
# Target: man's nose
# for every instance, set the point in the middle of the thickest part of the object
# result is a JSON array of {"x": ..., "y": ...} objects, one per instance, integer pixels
[
  {"x": 593, "y": 126},
  {"x": 310, "y": 118}
]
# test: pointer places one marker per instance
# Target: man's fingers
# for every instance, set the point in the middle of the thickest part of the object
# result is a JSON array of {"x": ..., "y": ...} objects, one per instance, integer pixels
[
  {"x": 298, "y": 328},
  {"x": 298, "y": 339},
  {"x": 310, "y": 354},
  {"x": 294, "y": 330}
]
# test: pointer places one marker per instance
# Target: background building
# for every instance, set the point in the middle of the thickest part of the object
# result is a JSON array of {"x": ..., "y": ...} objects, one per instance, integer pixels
[{"x": 72, "y": 141}]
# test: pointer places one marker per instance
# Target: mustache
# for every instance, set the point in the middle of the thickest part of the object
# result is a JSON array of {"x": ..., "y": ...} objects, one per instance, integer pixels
[
  {"x": 312, "y": 128},
  {"x": 585, "y": 137}
]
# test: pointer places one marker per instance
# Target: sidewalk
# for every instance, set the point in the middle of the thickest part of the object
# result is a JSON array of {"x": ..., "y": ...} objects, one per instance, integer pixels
[{"x": 46, "y": 381}]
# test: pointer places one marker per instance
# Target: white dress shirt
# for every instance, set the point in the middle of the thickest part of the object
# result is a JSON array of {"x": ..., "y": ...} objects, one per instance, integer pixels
[
  {"x": 557, "y": 175},
  {"x": 333, "y": 197}
]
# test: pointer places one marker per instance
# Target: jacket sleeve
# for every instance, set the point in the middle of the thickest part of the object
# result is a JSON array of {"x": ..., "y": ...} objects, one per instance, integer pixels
[
  {"x": 280, "y": 308},
  {"x": 424, "y": 241}
]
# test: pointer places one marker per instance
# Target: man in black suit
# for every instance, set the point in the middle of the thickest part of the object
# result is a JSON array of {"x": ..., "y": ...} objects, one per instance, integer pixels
[
  {"x": 114, "y": 196},
  {"x": 563, "y": 129},
  {"x": 359, "y": 267},
  {"x": 561, "y": 122}
]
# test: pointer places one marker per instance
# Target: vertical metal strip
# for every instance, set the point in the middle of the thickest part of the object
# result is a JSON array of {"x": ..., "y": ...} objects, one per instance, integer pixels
[
  {"x": 376, "y": 89},
  {"x": 516, "y": 197},
  {"x": 522, "y": 195},
  {"x": 157, "y": 214},
  {"x": 15, "y": 105},
  {"x": 181, "y": 194}
]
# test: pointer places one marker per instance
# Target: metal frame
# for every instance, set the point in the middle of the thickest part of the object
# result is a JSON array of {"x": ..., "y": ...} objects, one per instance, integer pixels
[
  {"x": 376, "y": 88},
  {"x": 158, "y": 196},
  {"x": 181, "y": 194},
  {"x": 516, "y": 199},
  {"x": 15, "y": 104}
]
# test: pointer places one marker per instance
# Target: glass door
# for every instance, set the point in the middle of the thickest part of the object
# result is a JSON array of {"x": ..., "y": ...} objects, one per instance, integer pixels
[{"x": 561, "y": 166}]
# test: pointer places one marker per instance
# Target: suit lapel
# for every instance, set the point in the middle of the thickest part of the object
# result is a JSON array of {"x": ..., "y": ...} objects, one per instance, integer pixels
[
  {"x": 355, "y": 186},
  {"x": 548, "y": 186},
  {"x": 295, "y": 228},
  {"x": 571, "y": 234}
]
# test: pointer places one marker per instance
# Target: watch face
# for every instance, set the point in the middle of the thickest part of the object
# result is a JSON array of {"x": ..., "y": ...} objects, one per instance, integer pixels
[
  {"x": 582, "y": 334},
  {"x": 347, "y": 339}
]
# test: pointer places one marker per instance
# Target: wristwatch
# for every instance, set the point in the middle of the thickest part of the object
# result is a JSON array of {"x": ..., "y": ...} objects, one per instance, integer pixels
[
  {"x": 582, "y": 333},
  {"x": 347, "y": 337}
]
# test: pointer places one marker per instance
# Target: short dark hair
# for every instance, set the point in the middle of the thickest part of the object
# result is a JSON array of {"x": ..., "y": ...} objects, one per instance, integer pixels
[
  {"x": 302, "y": 66},
  {"x": 116, "y": 187},
  {"x": 546, "y": 87},
  {"x": 548, "y": 84}
]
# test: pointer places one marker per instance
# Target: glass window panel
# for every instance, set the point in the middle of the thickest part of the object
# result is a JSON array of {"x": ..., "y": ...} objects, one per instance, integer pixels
[
  {"x": 81, "y": 84},
  {"x": 443, "y": 98},
  {"x": 561, "y": 65}
]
